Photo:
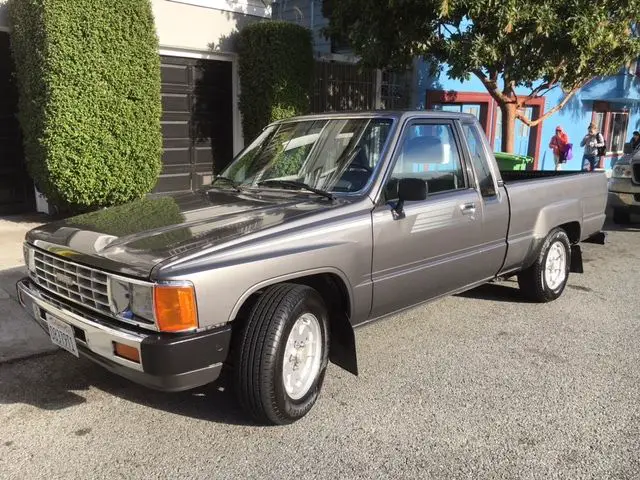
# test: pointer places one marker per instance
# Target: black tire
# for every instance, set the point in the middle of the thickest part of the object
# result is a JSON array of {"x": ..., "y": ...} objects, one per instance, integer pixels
[
  {"x": 532, "y": 281},
  {"x": 621, "y": 216},
  {"x": 260, "y": 349}
]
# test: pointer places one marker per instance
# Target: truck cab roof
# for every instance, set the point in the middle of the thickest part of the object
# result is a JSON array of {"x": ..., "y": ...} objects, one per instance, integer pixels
[{"x": 395, "y": 114}]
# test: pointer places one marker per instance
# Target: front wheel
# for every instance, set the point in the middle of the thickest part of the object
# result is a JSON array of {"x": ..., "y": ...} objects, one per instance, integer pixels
[
  {"x": 546, "y": 279},
  {"x": 282, "y": 354}
]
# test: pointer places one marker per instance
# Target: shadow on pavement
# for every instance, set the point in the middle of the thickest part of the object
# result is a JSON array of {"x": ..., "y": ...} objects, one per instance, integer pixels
[
  {"x": 610, "y": 226},
  {"x": 9, "y": 277},
  {"x": 507, "y": 291},
  {"x": 61, "y": 381},
  {"x": 614, "y": 227}
]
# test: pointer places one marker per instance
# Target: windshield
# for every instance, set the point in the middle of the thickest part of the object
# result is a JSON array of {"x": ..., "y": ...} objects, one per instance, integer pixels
[{"x": 333, "y": 155}]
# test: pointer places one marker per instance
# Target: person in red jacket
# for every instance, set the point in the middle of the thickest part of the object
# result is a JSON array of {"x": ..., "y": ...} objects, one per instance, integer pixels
[{"x": 558, "y": 144}]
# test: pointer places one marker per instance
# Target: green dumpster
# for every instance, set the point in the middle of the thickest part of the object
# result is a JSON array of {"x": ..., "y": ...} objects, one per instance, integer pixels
[{"x": 511, "y": 161}]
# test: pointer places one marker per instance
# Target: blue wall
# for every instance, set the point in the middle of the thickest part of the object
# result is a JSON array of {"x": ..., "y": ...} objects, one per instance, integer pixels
[{"x": 620, "y": 91}]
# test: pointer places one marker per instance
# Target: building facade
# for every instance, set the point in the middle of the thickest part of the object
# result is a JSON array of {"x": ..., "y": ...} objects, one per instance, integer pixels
[
  {"x": 612, "y": 103},
  {"x": 339, "y": 83},
  {"x": 201, "y": 124}
]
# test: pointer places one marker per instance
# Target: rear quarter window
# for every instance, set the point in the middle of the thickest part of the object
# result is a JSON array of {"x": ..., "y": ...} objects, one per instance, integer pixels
[{"x": 479, "y": 160}]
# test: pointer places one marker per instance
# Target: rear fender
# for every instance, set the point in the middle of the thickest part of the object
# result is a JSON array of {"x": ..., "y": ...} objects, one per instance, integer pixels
[{"x": 550, "y": 217}]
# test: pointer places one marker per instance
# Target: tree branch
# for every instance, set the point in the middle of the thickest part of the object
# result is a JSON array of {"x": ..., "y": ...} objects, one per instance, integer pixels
[
  {"x": 512, "y": 88},
  {"x": 548, "y": 113},
  {"x": 492, "y": 87},
  {"x": 542, "y": 94},
  {"x": 548, "y": 86}
]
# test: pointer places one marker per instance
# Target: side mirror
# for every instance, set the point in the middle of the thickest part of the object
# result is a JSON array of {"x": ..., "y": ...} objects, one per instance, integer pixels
[
  {"x": 409, "y": 190},
  {"x": 627, "y": 148}
]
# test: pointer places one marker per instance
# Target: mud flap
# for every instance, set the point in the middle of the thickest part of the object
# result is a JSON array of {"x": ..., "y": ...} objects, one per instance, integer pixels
[
  {"x": 342, "y": 351},
  {"x": 576, "y": 260}
]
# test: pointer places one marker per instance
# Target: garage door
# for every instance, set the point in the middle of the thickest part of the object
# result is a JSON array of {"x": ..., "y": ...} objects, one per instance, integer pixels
[
  {"x": 16, "y": 189},
  {"x": 197, "y": 121}
]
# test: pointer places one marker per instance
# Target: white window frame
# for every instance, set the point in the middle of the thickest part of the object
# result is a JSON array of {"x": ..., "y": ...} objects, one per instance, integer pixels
[
  {"x": 246, "y": 7},
  {"x": 609, "y": 140}
]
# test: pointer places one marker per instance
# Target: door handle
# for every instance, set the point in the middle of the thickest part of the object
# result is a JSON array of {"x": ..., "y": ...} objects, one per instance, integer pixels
[{"x": 468, "y": 208}]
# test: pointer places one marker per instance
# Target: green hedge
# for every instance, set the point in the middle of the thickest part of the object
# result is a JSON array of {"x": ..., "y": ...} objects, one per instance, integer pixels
[
  {"x": 276, "y": 70},
  {"x": 88, "y": 74}
]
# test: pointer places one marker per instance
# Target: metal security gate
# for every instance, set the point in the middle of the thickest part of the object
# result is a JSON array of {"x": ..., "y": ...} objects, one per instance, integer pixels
[
  {"x": 341, "y": 86},
  {"x": 16, "y": 188},
  {"x": 197, "y": 121}
]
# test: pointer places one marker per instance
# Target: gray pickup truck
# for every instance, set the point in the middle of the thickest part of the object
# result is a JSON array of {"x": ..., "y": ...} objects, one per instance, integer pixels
[{"x": 321, "y": 224}]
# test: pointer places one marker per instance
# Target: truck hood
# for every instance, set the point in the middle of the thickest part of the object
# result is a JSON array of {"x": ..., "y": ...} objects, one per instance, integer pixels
[{"x": 131, "y": 239}]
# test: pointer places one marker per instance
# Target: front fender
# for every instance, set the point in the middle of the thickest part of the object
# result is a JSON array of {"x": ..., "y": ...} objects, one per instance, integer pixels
[{"x": 292, "y": 276}]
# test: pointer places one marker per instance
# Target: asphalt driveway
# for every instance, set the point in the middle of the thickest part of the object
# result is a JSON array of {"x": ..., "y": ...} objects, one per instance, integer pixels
[{"x": 480, "y": 385}]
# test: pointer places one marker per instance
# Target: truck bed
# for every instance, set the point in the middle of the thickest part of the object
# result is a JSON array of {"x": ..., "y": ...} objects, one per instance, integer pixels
[
  {"x": 540, "y": 200},
  {"x": 525, "y": 175}
]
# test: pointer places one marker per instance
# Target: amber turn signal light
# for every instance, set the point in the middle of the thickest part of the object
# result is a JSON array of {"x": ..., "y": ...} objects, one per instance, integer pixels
[
  {"x": 175, "y": 307},
  {"x": 127, "y": 351}
]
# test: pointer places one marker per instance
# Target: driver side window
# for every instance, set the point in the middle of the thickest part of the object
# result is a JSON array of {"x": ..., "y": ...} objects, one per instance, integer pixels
[{"x": 428, "y": 152}]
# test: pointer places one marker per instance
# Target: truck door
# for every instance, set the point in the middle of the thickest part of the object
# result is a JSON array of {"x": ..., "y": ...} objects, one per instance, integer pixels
[
  {"x": 436, "y": 247},
  {"x": 495, "y": 204}
]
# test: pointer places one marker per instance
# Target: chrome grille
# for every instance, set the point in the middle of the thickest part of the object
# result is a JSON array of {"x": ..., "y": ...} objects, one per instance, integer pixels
[{"x": 72, "y": 281}]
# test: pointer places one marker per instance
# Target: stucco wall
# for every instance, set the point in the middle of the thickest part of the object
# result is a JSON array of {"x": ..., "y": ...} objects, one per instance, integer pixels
[
  {"x": 184, "y": 26},
  {"x": 192, "y": 27}
]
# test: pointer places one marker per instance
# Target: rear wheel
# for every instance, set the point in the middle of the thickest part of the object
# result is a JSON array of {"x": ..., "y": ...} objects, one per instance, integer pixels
[
  {"x": 546, "y": 279},
  {"x": 621, "y": 216},
  {"x": 282, "y": 354}
]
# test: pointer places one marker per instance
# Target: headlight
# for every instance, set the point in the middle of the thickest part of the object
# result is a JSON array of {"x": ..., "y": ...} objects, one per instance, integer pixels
[
  {"x": 621, "y": 171},
  {"x": 171, "y": 306},
  {"x": 131, "y": 300}
]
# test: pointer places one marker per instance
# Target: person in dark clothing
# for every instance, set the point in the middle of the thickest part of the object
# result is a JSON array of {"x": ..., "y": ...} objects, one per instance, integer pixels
[
  {"x": 635, "y": 141},
  {"x": 592, "y": 142}
]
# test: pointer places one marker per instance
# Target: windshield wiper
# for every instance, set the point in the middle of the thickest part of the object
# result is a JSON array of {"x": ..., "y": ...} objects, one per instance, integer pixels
[
  {"x": 298, "y": 185},
  {"x": 230, "y": 181}
]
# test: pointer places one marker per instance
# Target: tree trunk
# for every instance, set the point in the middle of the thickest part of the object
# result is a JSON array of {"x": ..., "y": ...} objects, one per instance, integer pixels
[{"x": 508, "y": 127}]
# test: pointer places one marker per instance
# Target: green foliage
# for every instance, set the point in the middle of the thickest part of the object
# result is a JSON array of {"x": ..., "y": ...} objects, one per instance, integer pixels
[
  {"x": 276, "y": 69},
  {"x": 539, "y": 44},
  {"x": 526, "y": 40},
  {"x": 88, "y": 74}
]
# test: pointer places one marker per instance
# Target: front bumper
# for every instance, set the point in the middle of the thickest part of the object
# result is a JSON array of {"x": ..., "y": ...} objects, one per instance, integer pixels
[{"x": 168, "y": 362}]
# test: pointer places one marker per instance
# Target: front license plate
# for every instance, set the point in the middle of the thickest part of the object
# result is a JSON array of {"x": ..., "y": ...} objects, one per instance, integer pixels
[{"x": 62, "y": 334}]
